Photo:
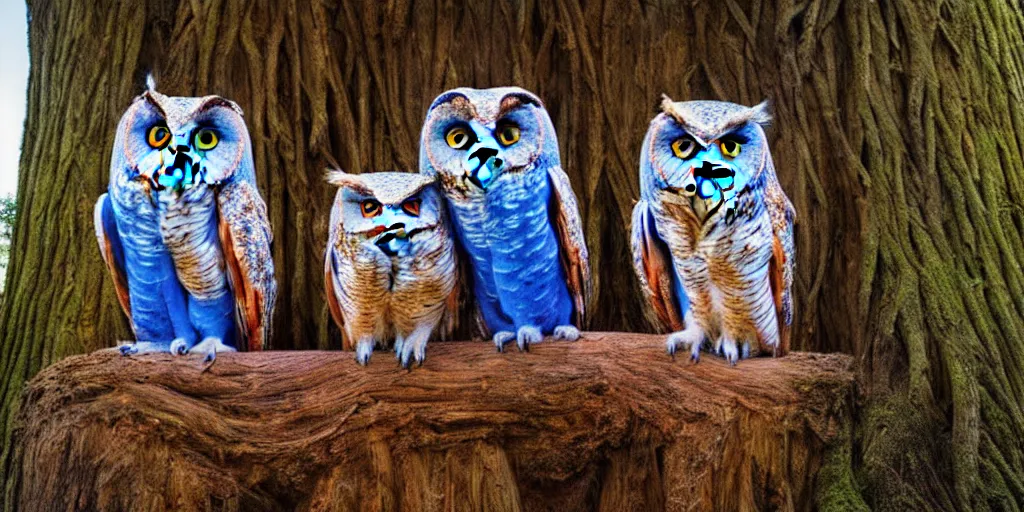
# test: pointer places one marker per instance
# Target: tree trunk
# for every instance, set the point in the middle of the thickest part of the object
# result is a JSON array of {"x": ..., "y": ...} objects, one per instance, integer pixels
[
  {"x": 897, "y": 135},
  {"x": 609, "y": 423}
]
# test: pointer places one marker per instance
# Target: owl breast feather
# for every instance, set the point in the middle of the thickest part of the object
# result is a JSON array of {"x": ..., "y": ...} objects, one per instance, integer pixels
[{"x": 189, "y": 227}]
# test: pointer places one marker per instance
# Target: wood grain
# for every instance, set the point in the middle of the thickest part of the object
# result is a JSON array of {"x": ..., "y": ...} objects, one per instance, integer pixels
[{"x": 607, "y": 423}]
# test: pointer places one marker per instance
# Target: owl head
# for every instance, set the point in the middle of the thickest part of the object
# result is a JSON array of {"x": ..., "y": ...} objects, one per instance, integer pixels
[
  {"x": 473, "y": 138},
  {"x": 172, "y": 144},
  {"x": 705, "y": 152},
  {"x": 385, "y": 209}
]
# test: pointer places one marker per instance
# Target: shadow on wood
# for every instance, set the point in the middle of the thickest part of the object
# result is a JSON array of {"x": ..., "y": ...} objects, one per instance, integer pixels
[{"x": 606, "y": 423}]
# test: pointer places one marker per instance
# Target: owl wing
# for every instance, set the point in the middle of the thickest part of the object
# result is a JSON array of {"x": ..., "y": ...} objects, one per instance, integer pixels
[
  {"x": 333, "y": 288},
  {"x": 653, "y": 264},
  {"x": 565, "y": 217},
  {"x": 112, "y": 251},
  {"x": 245, "y": 238},
  {"x": 781, "y": 266}
]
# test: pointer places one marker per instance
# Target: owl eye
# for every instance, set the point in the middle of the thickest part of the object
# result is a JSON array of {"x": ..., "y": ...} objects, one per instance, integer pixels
[
  {"x": 684, "y": 147},
  {"x": 370, "y": 208},
  {"x": 508, "y": 134},
  {"x": 206, "y": 139},
  {"x": 158, "y": 136},
  {"x": 458, "y": 138},
  {"x": 730, "y": 147},
  {"x": 412, "y": 207}
]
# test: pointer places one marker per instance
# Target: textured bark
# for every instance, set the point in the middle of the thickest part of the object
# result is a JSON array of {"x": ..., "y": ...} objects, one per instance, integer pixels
[
  {"x": 897, "y": 135},
  {"x": 608, "y": 423}
]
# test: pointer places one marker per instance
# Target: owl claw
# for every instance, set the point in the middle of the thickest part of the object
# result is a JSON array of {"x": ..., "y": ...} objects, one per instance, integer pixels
[
  {"x": 179, "y": 347},
  {"x": 691, "y": 336},
  {"x": 144, "y": 347},
  {"x": 209, "y": 347},
  {"x": 501, "y": 338},
  {"x": 567, "y": 333},
  {"x": 364, "y": 349},
  {"x": 730, "y": 351},
  {"x": 527, "y": 335}
]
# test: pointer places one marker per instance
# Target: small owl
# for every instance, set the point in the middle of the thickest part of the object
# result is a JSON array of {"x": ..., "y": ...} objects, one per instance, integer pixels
[
  {"x": 390, "y": 266},
  {"x": 495, "y": 154},
  {"x": 712, "y": 235},
  {"x": 183, "y": 229}
]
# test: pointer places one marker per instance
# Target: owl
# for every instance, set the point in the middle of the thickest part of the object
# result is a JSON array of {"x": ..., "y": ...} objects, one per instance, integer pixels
[
  {"x": 183, "y": 229},
  {"x": 390, "y": 264},
  {"x": 495, "y": 155},
  {"x": 712, "y": 234}
]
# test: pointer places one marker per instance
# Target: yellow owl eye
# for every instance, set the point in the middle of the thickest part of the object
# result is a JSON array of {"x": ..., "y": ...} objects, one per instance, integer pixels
[
  {"x": 206, "y": 139},
  {"x": 158, "y": 136},
  {"x": 370, "y": 208},
  {"x": 730, "y": 148},
  {"x": 684, "y": 147},
  {"x": 508, "y": 134},
  {"x": 458, "y": 138},
  {"x": 412, "y": 207}
]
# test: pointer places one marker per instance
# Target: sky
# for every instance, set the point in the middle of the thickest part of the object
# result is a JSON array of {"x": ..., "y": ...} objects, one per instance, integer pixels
[{"x": 13, "y": 82}]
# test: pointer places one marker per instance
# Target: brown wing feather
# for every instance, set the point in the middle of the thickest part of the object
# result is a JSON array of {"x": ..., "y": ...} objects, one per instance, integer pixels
[
  {"x": 653, "y": 265},
  {"x": 573, "y": 248},
  {"x": 245, "y": 238},
  {"x": 776, "y": 279},
  {"x": 107, "y": 251}
]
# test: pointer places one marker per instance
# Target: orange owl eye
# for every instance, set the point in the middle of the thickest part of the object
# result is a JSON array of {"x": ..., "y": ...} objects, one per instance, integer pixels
[
  {"x": 158, "y": 136},
  {"x": 458, "y": 138},
  {"x": 684, "y": 147},
  {"x": 412, "y": 207},
  {"x": 508, "y": 134},
  {"x": 730, "y": 147},
  {"x": 370, "y": 208}
]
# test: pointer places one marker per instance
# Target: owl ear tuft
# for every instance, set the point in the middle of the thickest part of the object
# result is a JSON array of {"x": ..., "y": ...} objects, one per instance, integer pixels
[
  {"x": 150, "y": 82},
  {"x": 337, "y": 177},
  {"x": 761, "y": 113}
]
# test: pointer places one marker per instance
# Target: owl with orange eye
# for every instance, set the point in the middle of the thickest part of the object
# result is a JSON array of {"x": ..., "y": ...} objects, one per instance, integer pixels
[
  {"x": 183, "y": 229},
  {"x": 390, "y": 264},
  {"x": 712, "y": 234}
]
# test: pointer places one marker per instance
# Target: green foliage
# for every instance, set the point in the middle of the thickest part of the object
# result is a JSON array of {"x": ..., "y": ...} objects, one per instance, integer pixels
[{"x": 8, "y": 210}]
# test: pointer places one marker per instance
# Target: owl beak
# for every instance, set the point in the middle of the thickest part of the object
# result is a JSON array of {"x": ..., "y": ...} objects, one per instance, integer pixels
[
  {"x": 483, "y": 163},
  {"x": 391, "y": 238}
]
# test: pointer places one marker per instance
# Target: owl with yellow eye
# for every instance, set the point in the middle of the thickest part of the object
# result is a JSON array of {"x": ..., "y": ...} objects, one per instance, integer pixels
[
  {"x": 183, "y": 229},
  {"x": 712, "y": 234}
]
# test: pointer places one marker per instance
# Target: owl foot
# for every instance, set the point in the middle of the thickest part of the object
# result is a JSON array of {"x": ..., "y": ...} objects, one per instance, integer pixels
[
  {"x": 415, "y": 347},
  {"x": 399, "y": 343},
  {"x": 526, "y": 335},
  {"x": 566, "y": 332},
  {"x": 730, "y": 351},
  {"x": 209, "y": 347},
  {"x": 364, "y": 349},
  {"x": 149, "y": 347},
  {"x": 501, "y": 338},
  {"x": 691, "y": 336}
]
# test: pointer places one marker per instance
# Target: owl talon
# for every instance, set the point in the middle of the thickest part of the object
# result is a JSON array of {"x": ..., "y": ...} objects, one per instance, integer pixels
[
  {"x": 567, "y": 333},
  {"x": 209, "y": 347},
  {"x": 730, "y": 351},
  {"x": 501, "y": 338},
  {"x": 144, "y": 347},
  {"x": 527, "y": 335},
  {"x": 179, "y": 347},
  {"x": 364, "y": 349},
  {"x": 691, "y": 337}
]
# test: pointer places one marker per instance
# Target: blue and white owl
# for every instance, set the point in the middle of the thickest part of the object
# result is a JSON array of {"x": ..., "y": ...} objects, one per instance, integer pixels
[
  {"x": 183, "y": 229},
  {"x": 713, "y": 230},
  {"x": 495, "y": 155}
]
